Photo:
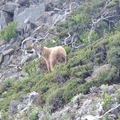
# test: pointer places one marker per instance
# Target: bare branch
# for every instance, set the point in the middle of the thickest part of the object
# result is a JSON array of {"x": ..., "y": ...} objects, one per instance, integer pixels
[
  {"x": 112, "y": 109},
  {"x": 104, "y": 16},
  {"x": 66, "y": 39},
  {"x": 58, "y": 19}
]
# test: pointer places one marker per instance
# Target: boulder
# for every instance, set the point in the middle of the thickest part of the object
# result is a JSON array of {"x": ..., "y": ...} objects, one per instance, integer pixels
[
  {"x": 17, "y": 75},
  {"x": 2, "y": 2},
  {"x": 15, "y": 43},
  {"x": 22, "y": 2},
  {"x": 6, "y": 60},
  {"x": 32, "y": 14},
  {"x": 9, "y": 7},
  {"x": 28, "y": 100},
  {"x": 5, "y": 18},
  {"x": 49, "y": 7},
  {"x": 19, "y": 107},
  {"x": 13, "y": 107},
  {"x": 8, "y": 52},
  {"x": 28, "y": 57},
  {"x": 97, "y": 71}
]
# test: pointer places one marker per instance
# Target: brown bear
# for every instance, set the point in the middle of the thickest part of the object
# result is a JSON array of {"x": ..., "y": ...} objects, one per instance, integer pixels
[{"x": 52, "y": 56}]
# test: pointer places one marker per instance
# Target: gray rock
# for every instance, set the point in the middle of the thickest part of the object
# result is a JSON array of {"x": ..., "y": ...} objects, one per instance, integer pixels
[
  {"x": 95, "y": 90},
  {"x": 5, "y": 18},
  {"x": 19, "y": 10},
  {"x": 15, "y": 43},
  {"x": 100, "y": 69},
  {"x": 9, "y": 7},
  {"x": 97, "y": 71},
  {"x": 89, "y": 117},
  {"x": 8, "y": 52},
  {"x": 30, "y": 26},
  {"x": 28, "y": 57},
  {"x": 1, "y": 75},
  {"x": 28, "y": 101},
  {"x": 2, "y": 2},
  {"x": 13, "y": 107},
  {"x": 23, "y": 2},
  {"x": 1, "y": 58},
  {"x": 6, "y": 60},
  {"x": 32, "y": 14},
  {"x": 11, "y": 72},
  {"x": 1, "y": 119},
  {"x": 49, "y": 7},
  {"x": 18, "y": 75}
]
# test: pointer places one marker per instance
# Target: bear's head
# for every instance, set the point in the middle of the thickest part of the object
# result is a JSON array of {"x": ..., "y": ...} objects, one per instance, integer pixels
[{"x": 38, "y": 48}]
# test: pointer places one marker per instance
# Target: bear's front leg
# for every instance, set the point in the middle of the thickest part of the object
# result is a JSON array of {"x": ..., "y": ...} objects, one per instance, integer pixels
[
  {"x": 51, "y": 65},
  {"x": 48, "y": 65}
]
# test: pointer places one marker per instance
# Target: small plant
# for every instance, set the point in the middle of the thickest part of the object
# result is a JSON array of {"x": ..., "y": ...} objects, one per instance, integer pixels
[
  {"x": 56, "y": 99},
  {"x": 31, "y": 68},
  {"x": 9, "y": 82},
  {"x": 114, "y": 51},
  {"x": 9, "y": 31},
  {"x": 118, "y": 118},
  {"x": 6, "y": 85},
  {"x": 34, "y": 113},
  {"x": 29, "y": 48},
  {"x": 105, "y": 118},
  {"x": 114, "y": 56},
  {"x": 4, "y": 115},
  {"x": 67, "y": 49},
  {"x": 117, "y": 26},
  {"x": 107, "y": 101}
]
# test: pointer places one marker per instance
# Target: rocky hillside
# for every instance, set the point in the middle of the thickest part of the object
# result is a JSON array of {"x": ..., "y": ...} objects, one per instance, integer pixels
[{"x": 87, "y": 87}]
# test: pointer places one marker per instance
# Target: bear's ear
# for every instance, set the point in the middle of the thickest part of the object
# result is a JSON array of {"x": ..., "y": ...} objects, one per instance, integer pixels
[{"x": 34, "y": 46}]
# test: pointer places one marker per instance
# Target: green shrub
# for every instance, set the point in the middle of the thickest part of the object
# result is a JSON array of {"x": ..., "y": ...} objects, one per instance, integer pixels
[
  {"x": 31, "y": 68},
  {"x": 4, "y": 115},
  {"x": 29, "y": 48},
  {"x": 114, "y": 40},
  {"x": 81, "y": 57},
  {"x": 118, "y": 118},
  {"x": 114, "y": 57},
  {"x": 67, "y": 49},
  {"x": 6, "y": 85},
  {"x": 34, "y": 113},
  {"x": 9, "y": 31},
  {"x": 78, "y": 67},
  {"x": 114, "y": 50},
  {"x": 62, "y": 70},
  {"x": 51, "y": 42},
  {"x": 117, "y": 26},
  {"x": 55, "y": 99},
  {"x": 71, "y": 88},
  {"x": 107, "y": 101},
  {"x": 84, "y": 88},
  {"x": 82, "y": 71},
  {"x": 109, "y": 77},
  {"x": 9, "y": 82}
]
